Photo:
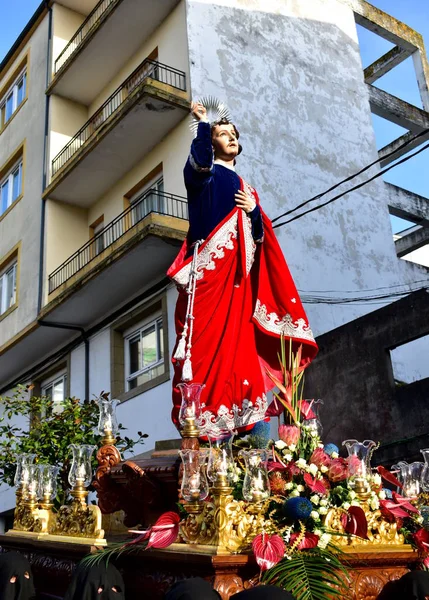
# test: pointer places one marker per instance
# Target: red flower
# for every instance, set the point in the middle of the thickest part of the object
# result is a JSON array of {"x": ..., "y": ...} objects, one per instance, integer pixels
[
  {"x": 391, "y": 510},
  {"x": 317, "y": 486},
  {"x": 277, "y": 482},
  {"x": 354, "y": 522},
  {"x": 289, "y": 434},
  {"x": 268, "y": 550},
  {"x": 306, "y": 411},
  {"x": 320, "y": 458},
  {"x": 337, "y": 470},
  {"x": 310, "y": 540},
  {"x": 421, "y": 538}
]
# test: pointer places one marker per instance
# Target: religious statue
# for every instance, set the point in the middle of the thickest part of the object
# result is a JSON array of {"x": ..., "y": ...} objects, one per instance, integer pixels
[{"x": 236, "y": 294}]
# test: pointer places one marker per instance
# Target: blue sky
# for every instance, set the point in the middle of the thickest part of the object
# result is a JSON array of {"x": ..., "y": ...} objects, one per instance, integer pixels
[{"x": 400, "y": 81}]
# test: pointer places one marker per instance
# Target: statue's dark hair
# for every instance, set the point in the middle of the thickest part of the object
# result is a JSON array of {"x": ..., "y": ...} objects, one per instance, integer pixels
[{"x": 226, "y": 122}]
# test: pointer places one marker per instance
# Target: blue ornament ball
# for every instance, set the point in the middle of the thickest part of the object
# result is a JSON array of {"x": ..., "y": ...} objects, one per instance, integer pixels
[
  {"x": 388, "y": 493},
  {"x": 297, "y": 508},
  {"x": 330, "y": 448},
  {"x": 260, "y": 434}
]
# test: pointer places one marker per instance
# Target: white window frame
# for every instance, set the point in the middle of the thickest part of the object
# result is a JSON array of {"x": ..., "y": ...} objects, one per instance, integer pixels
[
  {"x": 4, "y": 288},
  {"x": 8, "y": 179},
  {"x": 130, "y": 334},
  {"x": 13, "y": 89},
  {"x": 156, "y": 183},
  {"x": 51, "y": 382}
]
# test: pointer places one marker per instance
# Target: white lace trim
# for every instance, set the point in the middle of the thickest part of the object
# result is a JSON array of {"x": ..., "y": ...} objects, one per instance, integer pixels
[
  {"x": 214, "y": 249},
  {"x": 228, "y": 419},
  {"x": 249, "y": 243},
  {"x": 282, "y": 325}
]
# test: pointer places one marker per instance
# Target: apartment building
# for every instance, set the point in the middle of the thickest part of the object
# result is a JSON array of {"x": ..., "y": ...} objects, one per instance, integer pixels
[{"x": 94, "y": 134}]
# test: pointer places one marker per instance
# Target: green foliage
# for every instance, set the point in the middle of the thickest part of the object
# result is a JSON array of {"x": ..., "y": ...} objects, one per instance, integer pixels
[
  {"x": 30, "y": 424},
  {"x": 314, "y": 574}
]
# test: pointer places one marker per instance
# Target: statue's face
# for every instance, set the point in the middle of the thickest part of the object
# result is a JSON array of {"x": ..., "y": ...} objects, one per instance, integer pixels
[{"x": 225, "y": 143}]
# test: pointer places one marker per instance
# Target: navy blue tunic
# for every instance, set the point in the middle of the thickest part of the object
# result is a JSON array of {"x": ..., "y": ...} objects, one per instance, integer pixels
[{"x": 211, "y": 190}]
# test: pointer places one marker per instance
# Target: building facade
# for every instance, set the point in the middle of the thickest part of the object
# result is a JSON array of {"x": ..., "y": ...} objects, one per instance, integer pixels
[{"x": 93, "y": 144}]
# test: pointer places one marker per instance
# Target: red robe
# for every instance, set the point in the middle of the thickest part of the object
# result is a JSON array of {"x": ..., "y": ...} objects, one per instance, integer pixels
[{"x": 245, "y": 300}]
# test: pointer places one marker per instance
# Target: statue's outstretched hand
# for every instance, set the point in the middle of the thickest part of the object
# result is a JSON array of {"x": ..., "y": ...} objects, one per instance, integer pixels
[
  {"x": 244, "y": 201},
  {"x": 199, "y": 111}
]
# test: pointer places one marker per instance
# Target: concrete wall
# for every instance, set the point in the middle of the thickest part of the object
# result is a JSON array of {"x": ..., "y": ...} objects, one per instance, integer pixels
[
  {"x": 291, "y": 75},
  {"x": 169, "y": 38},
  {"x": 22, "y": 222},
  {"x": 149, "y": 412},
  {"x": 65, "y": 23}
]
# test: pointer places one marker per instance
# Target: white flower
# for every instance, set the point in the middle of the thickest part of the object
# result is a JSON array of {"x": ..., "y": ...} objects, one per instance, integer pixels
[
  {"x": 419, "y": 519},
  {"x": 323, "y": 510},
  {"x": 325, "y": 538},
  {"x": 354, "y": 503},
  {"x": 280, "y": 444},
  {"x": 294, "y": 493},
  {"x": 313, "y": 469},
  {"x": 317, "y": 532},
  {"x": 301, "y": 463},
  {"x": 313, "y": 433},
  {"x": 300, "y": 488},
  {"x": 352, "y": 494},
  {"x": 289, "y": 485},
  {"x": 320, "y": 446},
  {"x": 314, "y": 515},
  {"x": 292, "y": 447},
  {"x": 382, "y": 495},
  {"x": 346, "y": 505},
  {"x": 324, "y": 469},
  {"x": 376, "y": 479},
  {"x": 323, "y": 502},
  {"x": 315, "y": 499},
  {"x": 287, "y": 457},
  {"x": 334, "y": 455},
  {"x": 374, "y": 503}
]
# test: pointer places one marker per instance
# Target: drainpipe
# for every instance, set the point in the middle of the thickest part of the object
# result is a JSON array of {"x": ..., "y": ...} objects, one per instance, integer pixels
[
  {"x": 45, "y": 160},
  {"x": 85, "y": 340}
]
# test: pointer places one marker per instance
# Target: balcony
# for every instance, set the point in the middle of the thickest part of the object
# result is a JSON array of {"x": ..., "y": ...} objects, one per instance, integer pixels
[
  {"x": 154, "y": 213},
  {"x": 114, "y": 30},
  {"x": 134, "y": 119}
]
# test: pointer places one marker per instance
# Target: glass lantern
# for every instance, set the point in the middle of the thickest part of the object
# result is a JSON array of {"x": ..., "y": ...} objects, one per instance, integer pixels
[
  {"x": 107, "y": 422},
  {"x": 425, "y": 472},
  {"x": 23, "y": 462},
  {"x": 359, "y": 463},
  {"x": 256, "y": 484},
  {"x": 47, "y": 489},
  {"x": 313, "y": 424},
  {"x": 80, "y": 474},
  {"x": 32, "y": 485},
  {"x": 221, "y": 467},
  {"x": 195, "y": 486},
  {"x": 190, "y": 409}
]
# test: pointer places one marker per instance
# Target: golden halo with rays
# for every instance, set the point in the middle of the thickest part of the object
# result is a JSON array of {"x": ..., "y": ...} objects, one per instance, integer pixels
[{"x": 216, "y": 110}]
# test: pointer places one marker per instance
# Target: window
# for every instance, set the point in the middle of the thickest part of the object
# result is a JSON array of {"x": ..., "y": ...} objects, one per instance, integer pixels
[
  {"x": 10, "y": 187},
  {"x": 8, "y": 278},
  {"x": 13, "y": 98},
  {"x": 144, "y": 354},
  {"x": 56, "y": 390},
  {"x": 149, "y": 199}
]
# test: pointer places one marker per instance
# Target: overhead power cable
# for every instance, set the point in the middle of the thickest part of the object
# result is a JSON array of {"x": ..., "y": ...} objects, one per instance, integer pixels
[
  {"x": 352, "y": 189},
  {"x": 404, "y": 145},
  {"x": 374, "y": 299},
  {"x": 384, "y": 287}
]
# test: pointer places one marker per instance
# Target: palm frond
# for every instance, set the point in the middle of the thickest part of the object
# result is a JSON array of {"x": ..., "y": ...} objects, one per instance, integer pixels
[
  {"x": 113, "y": 550},
  {"x": 314, "y": 574}
]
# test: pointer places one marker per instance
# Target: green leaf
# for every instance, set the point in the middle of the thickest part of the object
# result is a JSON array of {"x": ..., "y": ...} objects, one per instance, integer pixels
[{"x": 314, "y": 574}]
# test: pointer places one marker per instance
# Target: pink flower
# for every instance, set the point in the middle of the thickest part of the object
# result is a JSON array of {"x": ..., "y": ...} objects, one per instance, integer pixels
[
  {"x": 289, "y": 434},
  {"x": 355, "y": 465},
  {"x": 337, "y": 470},
  {"x": 309, "y": 540},
  {"x": 320, "y": 458}
]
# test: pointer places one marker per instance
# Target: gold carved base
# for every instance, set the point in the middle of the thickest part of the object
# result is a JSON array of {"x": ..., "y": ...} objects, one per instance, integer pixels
[
  {"x": 76, "y": 522},
  {"x": 223, "y": 526},
  {"x": 381, "y": 533}
]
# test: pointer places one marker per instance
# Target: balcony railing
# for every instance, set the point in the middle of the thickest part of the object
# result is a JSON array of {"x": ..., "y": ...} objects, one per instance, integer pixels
[
  {"x": 147, "y": 69},
  {"x": 151, "y": 201},
  {"x": 90, "y": 22}
]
